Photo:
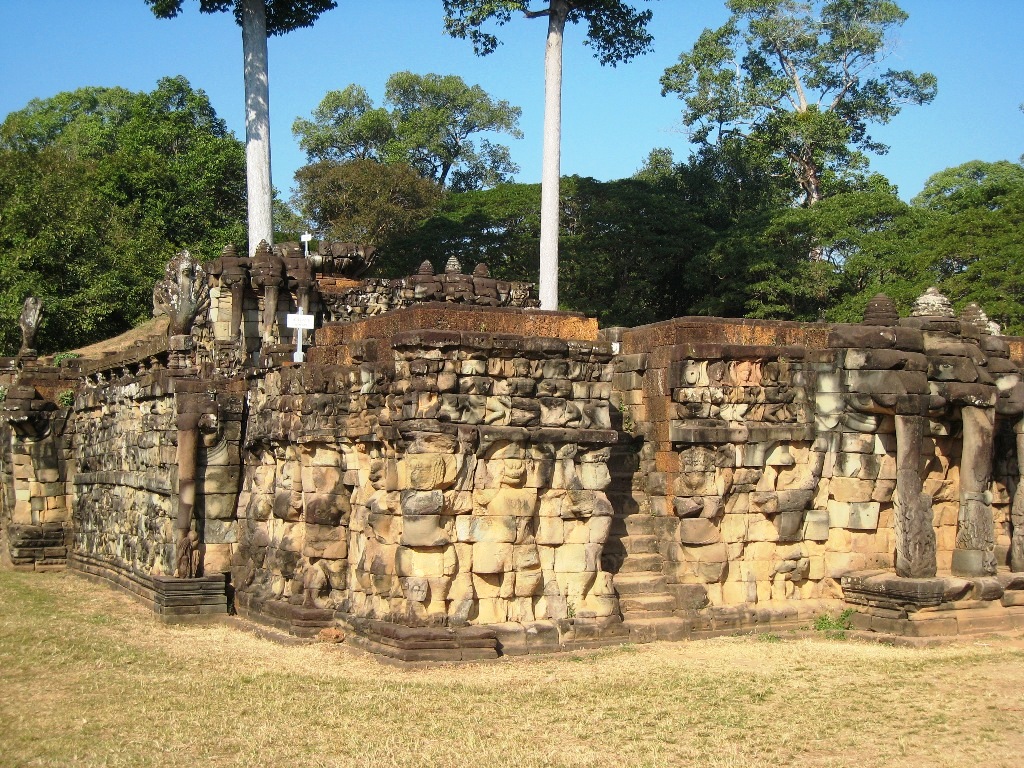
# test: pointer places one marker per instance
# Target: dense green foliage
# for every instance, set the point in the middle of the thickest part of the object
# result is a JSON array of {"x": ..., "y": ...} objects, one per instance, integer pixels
[
  {"x": 801, "y": 82},
  {"x": 283, "y": 16},
  {"x": 98, "y": 188},
  {"x": 364, "y": 201},
  {"x": 430, "y": 125},
  {"x": 693, "y": 239}
]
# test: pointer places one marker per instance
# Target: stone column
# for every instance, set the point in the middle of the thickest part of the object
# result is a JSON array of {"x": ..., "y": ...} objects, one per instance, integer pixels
[
  {"x": 1017, "y": 511},
  {"x": 975, "y": 539},
  {"x": 915, "y": 534},
  {"x": 185, "y": 558}
]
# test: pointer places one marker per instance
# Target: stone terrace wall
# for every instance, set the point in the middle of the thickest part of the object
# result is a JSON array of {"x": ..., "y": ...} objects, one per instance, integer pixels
[
  {"x": 454, "y": 479},
  {"x": 434, "y": 476},
  {"x": 769, "y": 457},
  {"x": 35, "y": 519}
]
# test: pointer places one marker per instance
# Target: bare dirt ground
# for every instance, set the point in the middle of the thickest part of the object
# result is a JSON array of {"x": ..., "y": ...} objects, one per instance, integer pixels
[{"x": 88, "y": 677}]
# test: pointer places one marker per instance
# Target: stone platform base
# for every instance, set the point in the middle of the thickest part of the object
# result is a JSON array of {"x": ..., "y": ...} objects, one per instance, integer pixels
[
  {"x": 419, "y": 644},
  {"x": 172, "y": 600},
  {"x": 37, "y": 547},
  {"x": 937, "y": 606},
  {"x": 718, "y": 621},
  {"x": 293, "y": 619}
]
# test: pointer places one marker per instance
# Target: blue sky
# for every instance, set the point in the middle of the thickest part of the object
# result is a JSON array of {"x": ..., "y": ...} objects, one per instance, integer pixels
[{"x": 612, "y": 117}]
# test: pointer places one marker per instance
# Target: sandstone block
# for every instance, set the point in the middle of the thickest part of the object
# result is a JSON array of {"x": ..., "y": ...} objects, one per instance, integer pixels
[
  {"x": 698, "y": 531},
  {"x": 853, "y": 515},
  {"x": 845, "y": 489},
  {"x": 572, "y": 558},
  {"x": 424, "y": 531},
  {"x": 219, "y": 506},
  {"x": 492, "y": 557},
  {"x": 412, "y": 562},
  {"x": 550, "y": 531},
  {"x": 489, "y": 528},
  {"x": 487, "y": 585}
]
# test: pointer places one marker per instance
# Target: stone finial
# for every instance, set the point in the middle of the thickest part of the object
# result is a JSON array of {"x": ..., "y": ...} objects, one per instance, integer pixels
[
  {"x": 267, "y": 266},
  {"x": 426, "y": 268},
  {"x": 263, "y": 250},
  {"x": 452, "y": 266},
  {"x": 931, "y": 303},
  {"x": 481, "y": 270},
  {"x": 31, "y": 316},
  {"x": 974, "y": 315},
  {"x": 183, "y": 294},
  {"x": 229, "y": 251},
  {"x": 881, "y": 311}
]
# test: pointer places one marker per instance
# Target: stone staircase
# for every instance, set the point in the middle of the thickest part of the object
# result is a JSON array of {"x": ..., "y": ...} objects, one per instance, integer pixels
[{"x": 640, "y": 579}]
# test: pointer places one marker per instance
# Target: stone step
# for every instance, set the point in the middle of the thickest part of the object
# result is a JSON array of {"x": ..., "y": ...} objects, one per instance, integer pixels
[
  {"x": 641, "y": 544},
  {"x": 689, "y": 597},
  {"x": 643, "y": 525},
  {"x": 644, "y": 629},
  {"x": 643, "y": 563},
  {"x": 639, "y": 583},
  {"x": 661, "y": 604}
]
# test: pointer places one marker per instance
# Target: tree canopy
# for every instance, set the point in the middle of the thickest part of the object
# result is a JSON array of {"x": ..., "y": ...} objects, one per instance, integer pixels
[
  {"x": 615, "y": 30},
  {"x": 258, "y": 19},
  {"x": 364, "y": 201},
  {"x": 430, "y": 122},
  {"x": 802, "y": 81},
  {"x": 283, "y": 16},
  {"x": 98, "y": 188}
]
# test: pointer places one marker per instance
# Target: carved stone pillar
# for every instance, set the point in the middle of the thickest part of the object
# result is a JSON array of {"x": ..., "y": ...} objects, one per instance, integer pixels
[
  {"x": 915, "y": 535},
  {"x": 975, "y": 539},
  {"x": 185, "y": 558},
  {"x": 1017, "y": 511},
  {"x": 267, "y": 273}
]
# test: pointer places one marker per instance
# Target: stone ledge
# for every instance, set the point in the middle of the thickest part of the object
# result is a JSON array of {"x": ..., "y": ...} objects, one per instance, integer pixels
[
  {"x": 138, "y": 480},
  {"x": 172, "y": 600}
]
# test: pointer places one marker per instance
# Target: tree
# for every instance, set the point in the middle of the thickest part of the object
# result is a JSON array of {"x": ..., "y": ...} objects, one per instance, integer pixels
[
  {"x": 616, "y": 30},
  {"x": 98, "y": 188},
  {"x": 430, "y": 126},
  {"x": 801, "y": 81},
  {"x": 499, "y": 227},
  {"x": 973, "y": 237},
  {"x": 363, "y": 201},
  {"x": 258, "y": 19}
]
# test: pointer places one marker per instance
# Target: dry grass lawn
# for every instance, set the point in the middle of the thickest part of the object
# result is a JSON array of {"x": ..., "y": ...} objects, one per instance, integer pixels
[{"x": 87, "y": 677}]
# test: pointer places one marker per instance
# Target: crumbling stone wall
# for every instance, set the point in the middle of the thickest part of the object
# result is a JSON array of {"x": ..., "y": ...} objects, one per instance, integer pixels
[
  {"x": 124, "y": 447},
  {"x": 456, "y": 464},
  {"x": 125, "y": 434},
  {"x": 35, "y": 520},
  {"x": 440, "y": 477}
]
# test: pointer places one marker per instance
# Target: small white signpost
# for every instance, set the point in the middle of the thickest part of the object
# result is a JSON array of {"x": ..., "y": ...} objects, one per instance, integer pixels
[
  {"x": 305, "y": 238},
  {"x": 301, "y": 322}
]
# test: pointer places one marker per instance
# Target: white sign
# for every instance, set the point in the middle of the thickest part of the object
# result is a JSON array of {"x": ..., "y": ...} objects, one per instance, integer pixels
[{"x": 301, "y": 322}]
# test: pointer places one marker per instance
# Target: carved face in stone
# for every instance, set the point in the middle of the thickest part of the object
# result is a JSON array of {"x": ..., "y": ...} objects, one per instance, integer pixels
[
  {"x": 209, "y": 429},
  {"x": 690, "y": 373},
  {"x": 697, "y": 465},
  {"x": 514, "y": 472}
]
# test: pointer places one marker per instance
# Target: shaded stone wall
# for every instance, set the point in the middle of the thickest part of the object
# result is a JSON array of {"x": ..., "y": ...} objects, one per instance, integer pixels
[
  {"x": 125, "y": 471},
  {"x": 35, "y": 519},
  {"x": 124, "y": 446}
]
